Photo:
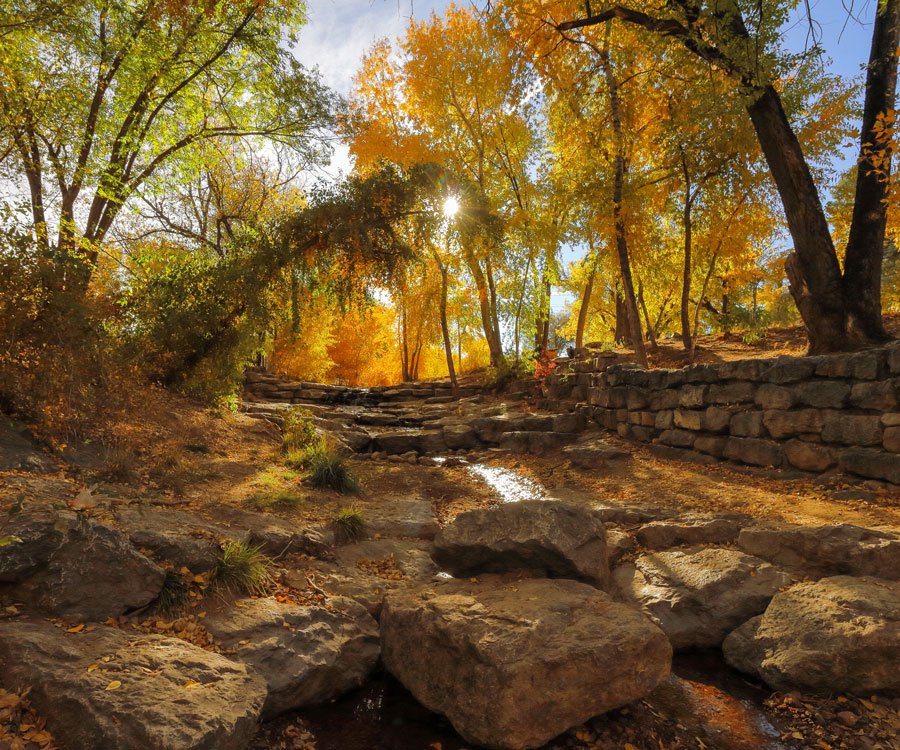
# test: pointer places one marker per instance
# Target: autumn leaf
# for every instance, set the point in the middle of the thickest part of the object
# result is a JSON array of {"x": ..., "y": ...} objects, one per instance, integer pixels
[
  {"x": 76, "y": 629},
  {"x": 114, "y": 685}
]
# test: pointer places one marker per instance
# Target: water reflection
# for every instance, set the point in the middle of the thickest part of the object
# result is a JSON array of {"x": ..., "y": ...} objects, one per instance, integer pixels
[{"x": 511, "y": 486}]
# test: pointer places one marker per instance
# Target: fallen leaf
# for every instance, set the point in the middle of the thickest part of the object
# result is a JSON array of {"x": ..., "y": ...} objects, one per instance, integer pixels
[
  {"x": 93, "y": 667},
  {"x": 190, "y": 684},
  {"x": 76, "y": 629},
  {"x": 114, "y": 685}
]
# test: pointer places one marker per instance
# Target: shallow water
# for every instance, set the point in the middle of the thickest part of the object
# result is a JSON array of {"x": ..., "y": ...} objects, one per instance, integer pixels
[{"x": 511, "y": 486}]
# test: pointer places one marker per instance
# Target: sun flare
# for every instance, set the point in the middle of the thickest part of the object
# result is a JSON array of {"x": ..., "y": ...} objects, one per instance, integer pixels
[{"x": 451, "y": 206}]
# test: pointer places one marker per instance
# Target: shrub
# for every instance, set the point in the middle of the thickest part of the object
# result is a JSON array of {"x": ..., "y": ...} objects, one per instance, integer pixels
[
  {"x": 244, "y": 569},
  {"x": 299, "y": 430},
  {"x": 327, "y": 470},
  {"x": 349, "y": 523}
]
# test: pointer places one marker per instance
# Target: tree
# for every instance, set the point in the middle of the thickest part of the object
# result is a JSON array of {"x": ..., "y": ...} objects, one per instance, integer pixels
[
  {"x": 840, "y": 310},
  {"x": 97, "y": 97}
]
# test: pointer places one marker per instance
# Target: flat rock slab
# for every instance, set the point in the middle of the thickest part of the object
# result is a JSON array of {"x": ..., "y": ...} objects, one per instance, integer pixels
[
  {"x": 692, "y": 530},
  {"x": 839, "y": 549},
  {"x": 835, "y": 635},
  {"x": 179, "y": 537},
  {"x": 146, "y": 692},
  {"x": 558, "y": 539},
  {"x": 365, "y": 571},
  {"x": 410, "y": 517},
  {"x": 513, "y": 664},
  {"x": 306, "y": 654},
  {"x": 71, "y": 566},
  {"x": 698, "y": 596}
]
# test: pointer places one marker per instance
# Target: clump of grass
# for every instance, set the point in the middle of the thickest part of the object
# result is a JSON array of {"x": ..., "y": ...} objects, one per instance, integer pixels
[
  {"x": 299, "y": 430},
  {"x": 119, "y": 462},
  {"x": 275, "y": 477},
  {"x": 327, "y": 470},
  {"x": 349, "y": 523},
  {"x": 174, "y": 593},
  {"x": 244, "y": 569},
  {"x": 275, "y": 500}
]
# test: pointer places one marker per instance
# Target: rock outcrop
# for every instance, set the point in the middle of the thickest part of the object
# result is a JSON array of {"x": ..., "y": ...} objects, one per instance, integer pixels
[
  {"x": 558, "y": 539},
  {"x": 306, "y": 654},
  {"x": 698, "y": 596},
  {"x": 70, "y": 566},
  {"x": 839, "y": 634},
  {"x": 513, "y": 664},
  {"x": 105, "y": 690}
]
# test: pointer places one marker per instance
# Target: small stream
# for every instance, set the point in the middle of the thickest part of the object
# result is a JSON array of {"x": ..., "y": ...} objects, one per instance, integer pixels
[{"x": 707, "y": 698}]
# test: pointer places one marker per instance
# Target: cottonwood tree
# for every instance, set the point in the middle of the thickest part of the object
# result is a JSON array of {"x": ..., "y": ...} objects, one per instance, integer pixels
[
  {"x": 840, "y": 308},
  {"x": 97, "y": 97}
]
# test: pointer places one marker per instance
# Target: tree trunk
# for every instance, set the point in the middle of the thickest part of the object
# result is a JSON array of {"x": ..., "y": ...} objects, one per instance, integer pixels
[
  {"x": 634, "y": 320},
  {"x": 651, "y": 333},
  {"x": 865, "y": 245},
  {"x": 812, "y": 269},
  {"x": 585, "y": 301},
  {"x": 484, "y": 306},
  {"x": 445, "y": 330},
  {"x": 686, "y": 338},
  {"x": 621, "y": 334}
]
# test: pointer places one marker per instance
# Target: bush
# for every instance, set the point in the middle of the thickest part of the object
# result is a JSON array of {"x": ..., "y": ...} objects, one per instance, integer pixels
[
  {"x": 244, "y": 569},
  {"x": 174, "y": 594},
  {"x": 327, "y": 470},
  {"x": 349, "y": 523},
  {"x": 299, "y": 430}
]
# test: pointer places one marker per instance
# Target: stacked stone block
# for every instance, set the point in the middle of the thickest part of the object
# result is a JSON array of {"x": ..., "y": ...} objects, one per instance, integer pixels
[{"x": 811, "y": 413}]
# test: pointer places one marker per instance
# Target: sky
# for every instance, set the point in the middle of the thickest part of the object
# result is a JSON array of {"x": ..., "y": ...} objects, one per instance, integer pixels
[{"x": 339, "y": 32}]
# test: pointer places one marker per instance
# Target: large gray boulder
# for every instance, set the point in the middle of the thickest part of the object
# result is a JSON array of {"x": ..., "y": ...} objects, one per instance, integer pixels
[
  {"x": 306, "y": 654},
  {"x": 697, "y": 596},
  {"x": 70, "y": 566},
  {"x": 513, "y": 664},
  {"x": 827, "y": 550},
  {"x": 835, "y": 635},
  {"x": 107, "y": 690},
  {"x": 177, "y": 537},
  {"x": 558, "y": 539}
]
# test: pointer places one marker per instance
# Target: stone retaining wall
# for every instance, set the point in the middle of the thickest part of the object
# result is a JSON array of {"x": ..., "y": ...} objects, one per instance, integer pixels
[{"x": 812, "y": 413}]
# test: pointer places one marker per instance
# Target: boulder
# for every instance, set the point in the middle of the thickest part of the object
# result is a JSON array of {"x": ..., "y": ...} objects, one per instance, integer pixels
[
  {"x": 458, "y": 436},
  {"x": 275, "y": 536},
  {"x": 557, "y": 539},
  {"x": 306, "y": 654},
  {"x": 827, "y": 550},
  {"x": 18, "y": 451},
  {"x": 178, "y": 537},
  {"x": 691, "y": 530},
  {"x": 70, "y": 566},
  {"x": 698, "y": 596},
  {"x": 108, "y": 690},
  {"x": 836, "y": 635},
  {"x": 513, "y": 664}
]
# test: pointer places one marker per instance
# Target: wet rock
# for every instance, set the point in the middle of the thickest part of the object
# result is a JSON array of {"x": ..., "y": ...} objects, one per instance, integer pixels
[
  {"x": 106, "y": 690},
  {"x": 513, "y": 664},
  {"x": 827, "y": 550},
  {"x": 839, "y": 634},
  {"x": 697, "y": 596},
  {"x": 306, "y": 654},
  {"x": 550, "y": 538},
  {"x": 71, "y": 566},
  {"x": 592, "y": 453},
  {"x": 692, "y": 530}
]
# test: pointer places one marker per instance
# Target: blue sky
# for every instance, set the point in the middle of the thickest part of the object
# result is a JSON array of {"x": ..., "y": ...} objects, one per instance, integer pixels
[{"x": 340, "y": 31}]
